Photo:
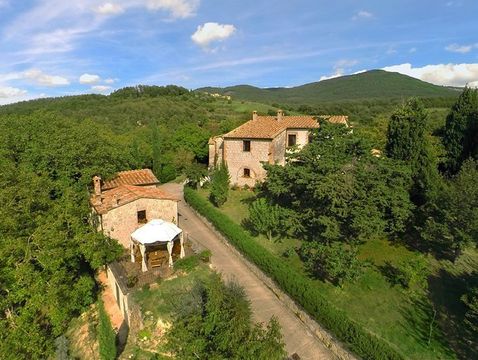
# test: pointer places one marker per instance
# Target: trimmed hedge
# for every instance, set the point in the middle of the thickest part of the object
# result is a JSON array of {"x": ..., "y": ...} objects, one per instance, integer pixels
[{"x": 298, "y": 286}]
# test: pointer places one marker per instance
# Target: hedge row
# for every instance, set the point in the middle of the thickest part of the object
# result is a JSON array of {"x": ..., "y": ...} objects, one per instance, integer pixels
[{"x": 298, "y": 286}]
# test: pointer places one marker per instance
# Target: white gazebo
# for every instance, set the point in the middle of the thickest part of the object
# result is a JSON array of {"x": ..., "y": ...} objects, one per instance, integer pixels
[{"x": 154, "y": 233}]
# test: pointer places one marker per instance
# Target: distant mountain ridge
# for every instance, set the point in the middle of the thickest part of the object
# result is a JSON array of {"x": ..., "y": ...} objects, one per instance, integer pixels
[{"x": 373, "y": 84}]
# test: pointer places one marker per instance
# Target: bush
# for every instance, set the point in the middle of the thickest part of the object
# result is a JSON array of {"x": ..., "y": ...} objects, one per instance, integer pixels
[
  {"x": 298, "y": 286},
  {"x": 409, "y": 274},
  {"x": 106, "y": 335},
  {"x": 187, "y": 264},
  {"x": 205, "y": 255}
]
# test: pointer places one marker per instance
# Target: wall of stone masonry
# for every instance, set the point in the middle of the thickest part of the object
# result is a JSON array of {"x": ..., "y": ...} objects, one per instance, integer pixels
[
  {"x": 237, "y": 160},
  {"x": 120, "y": 222}
]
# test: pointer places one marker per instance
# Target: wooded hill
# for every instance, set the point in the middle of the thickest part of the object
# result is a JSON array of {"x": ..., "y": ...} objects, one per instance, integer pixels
[{"x": 374, "y": 84}]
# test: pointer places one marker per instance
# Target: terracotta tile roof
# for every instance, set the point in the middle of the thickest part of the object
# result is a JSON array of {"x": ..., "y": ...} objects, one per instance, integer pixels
[
  {"x": 124, "y": 194},
  {"x": 267, "y": 127},
  {"x": 131, "y": 177},
  {"x": 336, "y": 119}
]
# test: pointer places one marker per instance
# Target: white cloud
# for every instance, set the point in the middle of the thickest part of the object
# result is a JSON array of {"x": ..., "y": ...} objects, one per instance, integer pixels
[
  {"x": 7, "y": 92},
  {"x": 101, "y": 88},
  {"x": 40, "y": 78},
  {"x": 210, "y": 32},
  {"x": 362, "y": 14},
  {"x": 179, "y": 9},
  {"x": 109, "y": 9},
  {"x": 89, "y": 79},
  {"x": 340, "y": 68},
  {"x": 440, "y": 74},
  {"x": 110, "y": 81},
  {"x": 462, "y": 49}
]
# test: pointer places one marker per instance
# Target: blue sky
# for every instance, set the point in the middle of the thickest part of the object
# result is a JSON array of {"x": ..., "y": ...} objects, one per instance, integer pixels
[{"x": 62, "y": 47}]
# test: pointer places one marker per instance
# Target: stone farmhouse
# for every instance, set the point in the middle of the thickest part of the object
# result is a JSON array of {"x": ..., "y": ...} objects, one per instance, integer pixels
[
  {"x": 263, "y": 139},
  {"x": 128, "y": 201}
]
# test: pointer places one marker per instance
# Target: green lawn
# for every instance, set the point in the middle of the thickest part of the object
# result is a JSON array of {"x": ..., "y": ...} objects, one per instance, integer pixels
[{"x": 422, "y": 324}]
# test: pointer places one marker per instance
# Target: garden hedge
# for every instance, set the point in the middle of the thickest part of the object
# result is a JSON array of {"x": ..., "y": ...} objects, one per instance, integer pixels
[{"x": 299, "y": 287}]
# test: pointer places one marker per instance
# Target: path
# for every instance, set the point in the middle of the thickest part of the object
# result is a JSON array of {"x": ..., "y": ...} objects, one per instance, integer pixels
[{"x": 297, "y": 337}]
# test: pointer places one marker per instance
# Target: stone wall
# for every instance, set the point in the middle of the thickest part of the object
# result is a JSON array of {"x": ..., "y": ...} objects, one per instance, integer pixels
[
  {"x": 302, "y": 136},
  {"x": 215, "y": 151},
  {"x": 120, "y": 222},
  {"x": 237, "y": 160},
  {"x": 278, "y": 148},
  {"x": 120, "y": 291}
]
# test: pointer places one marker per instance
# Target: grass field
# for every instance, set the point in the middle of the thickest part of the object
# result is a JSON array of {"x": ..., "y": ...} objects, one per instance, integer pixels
[{"x": 422, "y": 324}]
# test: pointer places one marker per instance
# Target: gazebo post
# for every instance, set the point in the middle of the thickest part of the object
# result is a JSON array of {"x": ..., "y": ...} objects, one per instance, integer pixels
[
  {"x": 181, "y": 240},
  {"x": 170, "y": 251},
  {"x": 131, "y": 249},
  {"x": 144, "y": 266}
]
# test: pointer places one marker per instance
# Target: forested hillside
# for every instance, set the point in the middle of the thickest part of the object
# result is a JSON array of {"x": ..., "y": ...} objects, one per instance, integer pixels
[
  {"x": 49, "y": 151},
  {"x": 369, "y": 85}
]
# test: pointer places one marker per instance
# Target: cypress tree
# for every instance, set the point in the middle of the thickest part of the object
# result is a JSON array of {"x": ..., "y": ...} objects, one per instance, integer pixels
[
  {"x": 220, "y": 185},
  {"x": 460, "y": 136},
  {"x": 407, "y": 141}
]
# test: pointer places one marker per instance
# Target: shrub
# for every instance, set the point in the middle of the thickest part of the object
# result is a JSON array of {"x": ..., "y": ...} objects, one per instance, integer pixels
[
  {"x": 131, "y": 281},
  {"x": 410, "y": 274},
  {"x": 106, "y": 335},
  {"x": 205, "y": 255},
  {"x": 187, "y": 264},
  {"x": 298, "y": 286}
]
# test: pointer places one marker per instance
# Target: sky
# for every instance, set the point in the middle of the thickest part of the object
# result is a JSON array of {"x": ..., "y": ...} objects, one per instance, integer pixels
[{"x": 69, "y": 47}]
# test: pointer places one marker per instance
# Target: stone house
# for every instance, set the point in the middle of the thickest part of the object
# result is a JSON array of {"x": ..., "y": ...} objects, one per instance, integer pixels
[
  {"x": 263, "y": 139},
  {"x": 128, "y": 201}
]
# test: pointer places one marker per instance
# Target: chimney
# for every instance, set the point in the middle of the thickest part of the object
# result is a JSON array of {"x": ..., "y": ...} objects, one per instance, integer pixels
[
  {"x": 97, "y": 185},
  {"x": 254, "y": 115},
  {"x": 280, "y": 113}
]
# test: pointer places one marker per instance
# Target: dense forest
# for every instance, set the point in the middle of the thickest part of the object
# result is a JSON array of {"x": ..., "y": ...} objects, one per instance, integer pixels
[{"x": 51, "y": 148}]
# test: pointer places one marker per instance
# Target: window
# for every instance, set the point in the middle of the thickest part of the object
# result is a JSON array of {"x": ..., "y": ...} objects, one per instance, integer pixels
[
  {"x": 291, "y": 140},
  {"x": 247, "y": 173},
  {"x": 246, "y": 145},
  {"x": 142, "y": 217}
]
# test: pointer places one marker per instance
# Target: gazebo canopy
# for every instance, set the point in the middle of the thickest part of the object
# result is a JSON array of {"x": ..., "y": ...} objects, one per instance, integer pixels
[{"x": 156, "y": 231}]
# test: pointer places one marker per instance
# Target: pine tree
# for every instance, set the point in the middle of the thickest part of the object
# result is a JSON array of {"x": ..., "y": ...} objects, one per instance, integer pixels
[{"x": 220, "y": 185}]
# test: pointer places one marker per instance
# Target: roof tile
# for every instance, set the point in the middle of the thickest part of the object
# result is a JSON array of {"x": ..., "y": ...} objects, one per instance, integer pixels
[
  {"x": 124, "y": 194},
  {"x": 131, "y": 177},
  {"x": 268, "y": 127}
]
